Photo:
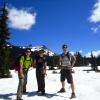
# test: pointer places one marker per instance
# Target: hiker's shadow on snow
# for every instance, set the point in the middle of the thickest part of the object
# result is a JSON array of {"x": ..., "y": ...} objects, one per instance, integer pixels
[
  {"x": 47, "y": 95},
  {"x": 89, "y": 70},
  {"x": 30, "y": 94},
  {"x": 6, "y": 96},
  {"x": 50, "y": 95}
]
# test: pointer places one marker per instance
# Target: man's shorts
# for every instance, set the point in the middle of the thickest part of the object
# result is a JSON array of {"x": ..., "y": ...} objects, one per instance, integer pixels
[{"x": 66, "y": 74}]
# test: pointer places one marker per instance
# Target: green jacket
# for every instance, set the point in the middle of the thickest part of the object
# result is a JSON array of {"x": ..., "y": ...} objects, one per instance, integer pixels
[{"x": 26, "y": 62}]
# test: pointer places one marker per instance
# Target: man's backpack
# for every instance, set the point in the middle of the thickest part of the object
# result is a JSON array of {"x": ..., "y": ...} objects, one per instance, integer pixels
[
  {"x": 16, "y": 64},
  {"x": 68, "y": 55}
]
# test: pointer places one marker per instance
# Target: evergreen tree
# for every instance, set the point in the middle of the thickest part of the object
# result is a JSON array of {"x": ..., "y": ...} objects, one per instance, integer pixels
[
  {"x": 93, "y": 62},
  {"x": 79, "y": 59},
  {"x": 4, "y": 37},
  {"x": 85, "y": 61},
  {"x": 98, "y": 60}
]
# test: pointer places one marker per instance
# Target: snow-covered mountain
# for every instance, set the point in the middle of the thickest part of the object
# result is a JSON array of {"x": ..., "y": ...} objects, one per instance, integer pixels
[
  {"x": 47, "y": 51},
  {"x": 37, "y": 48}
]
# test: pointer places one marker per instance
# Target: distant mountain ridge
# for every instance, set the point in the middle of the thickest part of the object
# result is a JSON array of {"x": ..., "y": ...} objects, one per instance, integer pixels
[{"x": 36, "y": 48}]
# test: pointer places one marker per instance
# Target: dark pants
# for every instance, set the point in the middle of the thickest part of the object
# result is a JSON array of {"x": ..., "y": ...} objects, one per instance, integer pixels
[{"x": 40, "y": 76}]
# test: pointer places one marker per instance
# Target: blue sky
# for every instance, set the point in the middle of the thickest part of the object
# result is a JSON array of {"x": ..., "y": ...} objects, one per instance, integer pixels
[{"x": 55, "y": 22}]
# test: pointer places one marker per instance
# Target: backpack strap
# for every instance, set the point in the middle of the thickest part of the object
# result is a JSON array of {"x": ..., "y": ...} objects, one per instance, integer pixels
[
  {"x": 25, "y": 58},
  {"x": 68, "y": 55}
]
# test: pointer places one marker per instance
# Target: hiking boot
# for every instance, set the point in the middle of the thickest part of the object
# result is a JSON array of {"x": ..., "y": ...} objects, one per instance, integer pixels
[
  {"x": 24, "y": 89},
  {"x": 72, "y": 96},
  {"x": 18, "y": 98},
  {"x": 43, "y": 93},
  {"x": 38, "y": 91},
  {"x": 62, "y": 90},
  {"x": 24, "y": 92}
]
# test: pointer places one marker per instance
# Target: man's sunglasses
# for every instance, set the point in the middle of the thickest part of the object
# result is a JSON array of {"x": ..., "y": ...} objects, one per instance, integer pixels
[
  {"x": 28, "y": 51},
  {"x": 64, "y": 47}
]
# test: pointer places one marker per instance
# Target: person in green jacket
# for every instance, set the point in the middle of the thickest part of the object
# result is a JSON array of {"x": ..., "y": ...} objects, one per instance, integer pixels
[{"x": 25, "y": 64}]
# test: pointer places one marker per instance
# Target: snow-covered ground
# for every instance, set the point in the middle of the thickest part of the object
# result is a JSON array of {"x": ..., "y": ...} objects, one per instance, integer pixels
[{"x": 87, "y": 86}]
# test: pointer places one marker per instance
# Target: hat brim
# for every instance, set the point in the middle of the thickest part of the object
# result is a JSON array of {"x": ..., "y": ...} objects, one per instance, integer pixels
[{"x": 41, "y": 51}]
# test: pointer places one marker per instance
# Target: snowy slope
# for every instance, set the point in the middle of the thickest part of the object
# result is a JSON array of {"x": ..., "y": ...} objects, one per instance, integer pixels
[
  {"x": 37, "y": 48},
  {"x": 87, "y": 86},
  {"x": 47, "y": 51}
]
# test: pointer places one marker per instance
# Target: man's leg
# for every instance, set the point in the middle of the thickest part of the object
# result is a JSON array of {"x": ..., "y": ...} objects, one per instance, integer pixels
[
  {"x": 25, "y": 81},
  {"x": 20, "y": 89},
  {"x": 42, "y": 83},
  {"x": 73, "y": 91},
  {"x": 62, "y": 79},
  {"x": 72, "y": 87},
  {"x": 38, "y": 80},
  {"x": 63, "y": 84},
  {"x": 71, "y": 82}
]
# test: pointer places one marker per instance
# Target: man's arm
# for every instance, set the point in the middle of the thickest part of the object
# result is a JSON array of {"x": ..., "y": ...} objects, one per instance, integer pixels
[
  {"x": 59, "y": 62},
  {"x": 21, "y": 67},
  {"x": 34, "y": 63},
  {"x": 21, "y": 71},
  {"x": 45, "y": 68},
  {"x": 73, "y": 59}
]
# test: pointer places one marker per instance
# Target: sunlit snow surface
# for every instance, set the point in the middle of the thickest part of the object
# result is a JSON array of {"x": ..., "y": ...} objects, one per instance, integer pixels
[{"x": 87, "y": 86}]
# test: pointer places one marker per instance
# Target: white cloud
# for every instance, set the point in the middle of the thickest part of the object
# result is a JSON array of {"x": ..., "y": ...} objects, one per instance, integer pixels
[
  {"x": 95, "y": 29},
  {"x": 72, "y": 52},
  {"x": 80, "y": 51},
  {"x": 95, "y": 17},
  {"x": 95, "y": 53},
  {"x": 21, "y": 19}
]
